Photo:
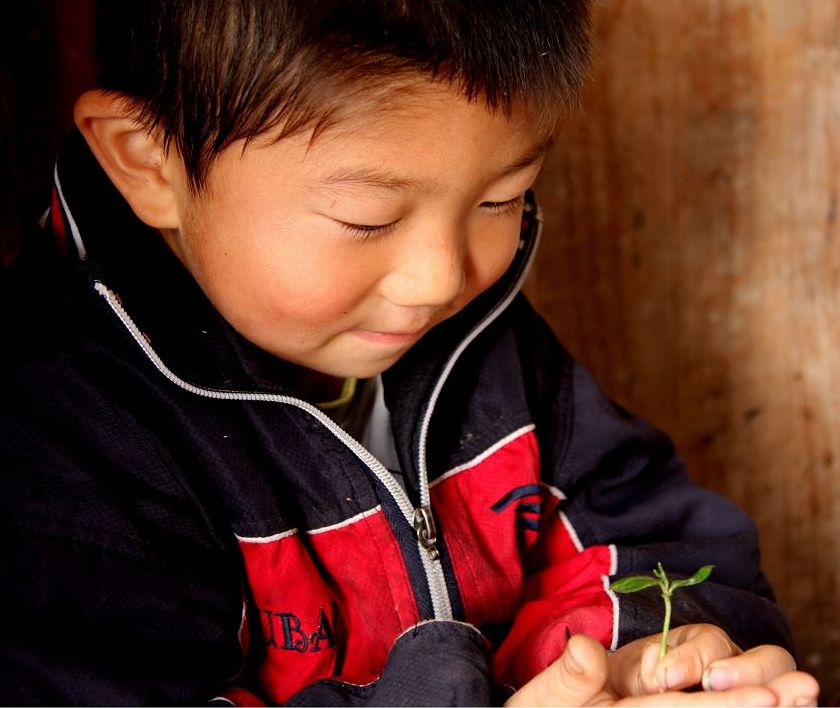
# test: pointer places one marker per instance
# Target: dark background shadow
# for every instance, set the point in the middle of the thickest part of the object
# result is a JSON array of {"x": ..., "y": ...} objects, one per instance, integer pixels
[{"x": 46, "y": 63}]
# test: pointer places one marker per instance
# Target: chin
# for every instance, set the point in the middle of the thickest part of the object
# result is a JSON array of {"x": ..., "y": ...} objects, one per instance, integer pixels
[{"x": 369, "y": 370}]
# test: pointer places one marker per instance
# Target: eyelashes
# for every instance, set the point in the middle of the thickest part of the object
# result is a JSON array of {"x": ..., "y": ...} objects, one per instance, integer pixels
[
  {"x": 365, "y": 232},
  {"x": 510, "y": 205}
]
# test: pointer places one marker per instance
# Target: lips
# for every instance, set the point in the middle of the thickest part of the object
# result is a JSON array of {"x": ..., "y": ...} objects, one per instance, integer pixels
[{"x": 389, "y": 337}]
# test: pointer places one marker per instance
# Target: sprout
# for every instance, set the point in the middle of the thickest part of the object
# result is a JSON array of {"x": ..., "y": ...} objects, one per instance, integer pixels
[{"x": 634, "y": 583}]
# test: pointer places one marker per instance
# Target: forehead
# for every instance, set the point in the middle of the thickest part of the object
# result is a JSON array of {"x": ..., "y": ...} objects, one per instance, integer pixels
[
  {"x": 409, "y": 124},
  {"x": 424, "y": 137}
]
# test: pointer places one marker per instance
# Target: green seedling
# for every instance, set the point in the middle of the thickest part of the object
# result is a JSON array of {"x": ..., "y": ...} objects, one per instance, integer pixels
[{"x": 634, "y": 583}]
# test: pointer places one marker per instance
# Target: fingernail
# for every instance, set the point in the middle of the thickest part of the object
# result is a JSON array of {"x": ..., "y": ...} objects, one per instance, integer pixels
[
  {"x": 675, "y": 677},
  {"x": 717, "y": 678},
  {"x": 805, "y": 701}
]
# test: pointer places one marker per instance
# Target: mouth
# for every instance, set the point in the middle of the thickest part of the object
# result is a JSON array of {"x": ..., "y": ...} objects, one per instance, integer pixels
[{"x": 389, "y": 338}]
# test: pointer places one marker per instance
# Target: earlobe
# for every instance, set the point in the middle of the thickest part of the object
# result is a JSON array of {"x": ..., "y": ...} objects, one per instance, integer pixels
[{"x": 134, "y": 159}]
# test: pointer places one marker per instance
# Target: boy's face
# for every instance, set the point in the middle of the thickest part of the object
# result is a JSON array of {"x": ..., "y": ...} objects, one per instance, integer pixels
[{"x": 339, "y": 255}]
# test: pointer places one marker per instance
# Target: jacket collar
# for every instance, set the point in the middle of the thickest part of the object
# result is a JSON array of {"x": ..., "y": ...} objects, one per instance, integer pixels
[{"x": 93, "y": 223}]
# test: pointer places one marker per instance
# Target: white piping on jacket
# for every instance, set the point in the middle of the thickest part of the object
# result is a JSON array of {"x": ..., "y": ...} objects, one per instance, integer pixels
[
  {"x": 346, "y": 522},
  {"x": 495, "y": 447},
  {"x": 74, "y": 230},
  {"x": 571, "y": 531},
  {"x": 613, "y": 597},
  {"x": 266, "y": 539}
]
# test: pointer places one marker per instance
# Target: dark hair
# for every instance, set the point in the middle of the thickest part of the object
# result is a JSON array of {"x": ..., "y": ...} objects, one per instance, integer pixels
[{"x": 209, "y": 72}]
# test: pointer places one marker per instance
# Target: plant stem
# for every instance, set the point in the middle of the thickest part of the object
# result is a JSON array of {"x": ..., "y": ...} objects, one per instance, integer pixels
[{"x": 665, "y": 626}]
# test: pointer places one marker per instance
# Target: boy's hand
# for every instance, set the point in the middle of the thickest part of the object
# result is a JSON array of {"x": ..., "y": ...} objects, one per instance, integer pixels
[
  {"x": 585, "y": 676},
  {"x": 697, "y": 654}
]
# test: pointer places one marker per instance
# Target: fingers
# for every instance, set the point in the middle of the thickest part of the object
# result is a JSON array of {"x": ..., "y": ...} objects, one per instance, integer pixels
[
  {"x": 706, "y": 651},
  {"x": 695, "y": 648},
  {"x": 632, "y": 667},
  {"x": 747, "y": 696},
  {"x": 577, "y": 678},
  {"x": 769, "y": 666},
  {"x": 635, "y": 669},
  {"x": 757, "y": 666},
  {"x": 795, "y": 689},
  {"x": 759, "y": 677}
]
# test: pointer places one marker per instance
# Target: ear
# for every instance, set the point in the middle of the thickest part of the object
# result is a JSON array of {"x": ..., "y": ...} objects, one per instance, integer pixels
[{"x": 149, "y": 178}]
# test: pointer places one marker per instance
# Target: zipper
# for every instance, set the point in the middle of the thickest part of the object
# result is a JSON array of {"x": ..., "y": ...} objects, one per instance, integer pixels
[
  {"x": 424, "y": 526},
  {"x": 420, "y": 519}
]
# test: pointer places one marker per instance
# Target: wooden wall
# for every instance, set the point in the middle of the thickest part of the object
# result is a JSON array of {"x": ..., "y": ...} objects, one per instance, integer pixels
[{"x": 691, "y": 259}]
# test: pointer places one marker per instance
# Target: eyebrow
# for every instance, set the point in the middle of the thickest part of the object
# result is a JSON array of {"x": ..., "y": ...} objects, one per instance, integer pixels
[
  {"x": 370, "y": 177},
  {"x": 373, "y": 177},
  {"x": 530, "y": 157}
]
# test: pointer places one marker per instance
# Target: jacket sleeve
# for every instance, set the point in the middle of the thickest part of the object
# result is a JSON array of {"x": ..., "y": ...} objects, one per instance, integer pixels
[
  {"x": 111, "y": 594},
  {"x": 618, "y": 501},
  {"x": 85, "y": 626}
]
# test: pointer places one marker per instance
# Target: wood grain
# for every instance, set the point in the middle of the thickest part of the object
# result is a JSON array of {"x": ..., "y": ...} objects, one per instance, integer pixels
[{"x": 691, "y": 260}]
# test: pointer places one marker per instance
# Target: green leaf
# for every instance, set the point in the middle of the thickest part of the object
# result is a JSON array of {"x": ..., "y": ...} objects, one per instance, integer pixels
[
  {"x": 695, "y": 579},
  {"x": 633, "y": 583}
]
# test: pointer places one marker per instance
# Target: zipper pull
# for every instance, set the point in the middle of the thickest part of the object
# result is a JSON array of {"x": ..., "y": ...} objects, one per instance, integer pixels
[{"x": 424, "y": 525}]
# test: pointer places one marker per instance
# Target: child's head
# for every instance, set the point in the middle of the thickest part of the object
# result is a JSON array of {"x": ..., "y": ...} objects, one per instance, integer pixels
[
  {"x": 337, "y": 176},
  {"x": 209, "y": 72}
]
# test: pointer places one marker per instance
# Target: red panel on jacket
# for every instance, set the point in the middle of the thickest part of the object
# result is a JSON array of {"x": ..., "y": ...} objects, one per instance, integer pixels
[{"x": 315, "y": 591}]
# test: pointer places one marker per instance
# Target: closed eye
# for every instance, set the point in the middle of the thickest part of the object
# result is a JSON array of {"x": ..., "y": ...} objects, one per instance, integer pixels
[
  {"x": 511, "y": 205},
  {"x": 363, "y": 232}
]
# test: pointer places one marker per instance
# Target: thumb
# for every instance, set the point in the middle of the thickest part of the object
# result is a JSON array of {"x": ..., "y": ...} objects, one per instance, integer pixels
[{"x": 575, "y": 679}]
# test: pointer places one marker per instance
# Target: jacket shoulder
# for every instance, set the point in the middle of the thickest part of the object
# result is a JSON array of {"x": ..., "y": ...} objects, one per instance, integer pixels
[{"x": 80, "y": 461}]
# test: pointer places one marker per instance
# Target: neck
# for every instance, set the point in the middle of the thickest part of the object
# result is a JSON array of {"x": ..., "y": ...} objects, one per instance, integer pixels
[{"x": 315, "y": 386}]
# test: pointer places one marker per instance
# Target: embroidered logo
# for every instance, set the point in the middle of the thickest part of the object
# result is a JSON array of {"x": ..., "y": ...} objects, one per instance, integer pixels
[
  {"x": 527, "y": 513},
  {"x": 284, "y": 630}
]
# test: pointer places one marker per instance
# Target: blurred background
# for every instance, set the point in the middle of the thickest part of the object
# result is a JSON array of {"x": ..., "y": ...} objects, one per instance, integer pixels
[
  {"x": 691, "y": 259},
  {"x": 691, "y": 254}
]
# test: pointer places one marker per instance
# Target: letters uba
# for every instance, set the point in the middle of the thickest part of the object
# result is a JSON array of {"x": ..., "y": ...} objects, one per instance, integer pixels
[{"x": 284, "y": 630}]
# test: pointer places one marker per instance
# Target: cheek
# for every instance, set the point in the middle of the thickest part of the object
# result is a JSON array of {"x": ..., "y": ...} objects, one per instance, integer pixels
[
  {"x": 316, "y": 280},
  {"x": 268, "y": 277},
  {"x": 492, "y": 257},
  {"x": 298, "y": 291}
]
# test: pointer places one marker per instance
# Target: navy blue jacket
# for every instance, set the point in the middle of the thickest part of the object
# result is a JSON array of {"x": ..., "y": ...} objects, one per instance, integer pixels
[{"x": 179, "y": 526}]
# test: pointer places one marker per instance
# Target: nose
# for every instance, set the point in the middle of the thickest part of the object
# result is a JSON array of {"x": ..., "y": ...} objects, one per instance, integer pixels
[{"x": 428, "y": 268}]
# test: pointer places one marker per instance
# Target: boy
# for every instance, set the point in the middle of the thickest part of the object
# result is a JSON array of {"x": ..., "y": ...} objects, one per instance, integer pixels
[{"x": 278, "y": 426}]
